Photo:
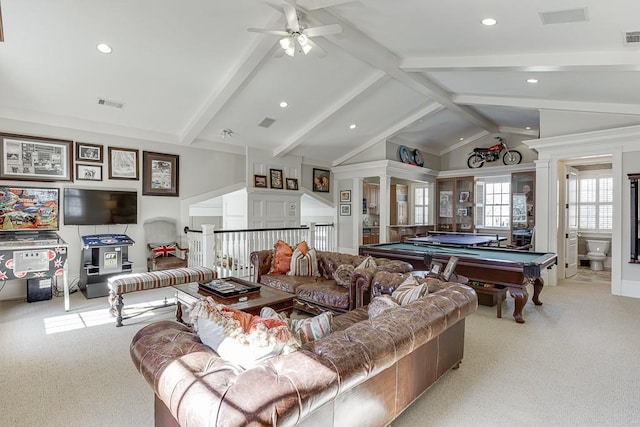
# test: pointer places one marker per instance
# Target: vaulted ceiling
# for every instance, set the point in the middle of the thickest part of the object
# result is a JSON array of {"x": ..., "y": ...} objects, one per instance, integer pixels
[{"x": 422, "y": 73}]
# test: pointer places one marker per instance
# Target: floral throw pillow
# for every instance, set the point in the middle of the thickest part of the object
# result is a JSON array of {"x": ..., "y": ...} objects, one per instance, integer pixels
[
  {"x": 281, "y": 261},
  {"x": 241, "y": 339},
  {"x": 343, "y": 275}
]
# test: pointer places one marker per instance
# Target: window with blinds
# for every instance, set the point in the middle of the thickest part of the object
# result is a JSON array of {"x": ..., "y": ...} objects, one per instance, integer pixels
[
  {"x": 595, "y": 201},
  {"x": 493, "y": 202},
  {"x": 421, "y": 205}
]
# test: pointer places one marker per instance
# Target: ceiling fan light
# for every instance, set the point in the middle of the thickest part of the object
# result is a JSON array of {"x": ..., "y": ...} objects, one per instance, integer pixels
[
  {"x": 285, "y": 42},
  {"x": 290, "y": 50},
  {"x": 306, "y": 48},
  {"x": 303, "y": 40}
]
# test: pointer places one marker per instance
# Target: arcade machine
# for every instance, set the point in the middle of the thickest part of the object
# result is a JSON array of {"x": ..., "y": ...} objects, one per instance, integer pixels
[
  {"x": 103, "y": 256},
  {"x": 30, "y": 248}
]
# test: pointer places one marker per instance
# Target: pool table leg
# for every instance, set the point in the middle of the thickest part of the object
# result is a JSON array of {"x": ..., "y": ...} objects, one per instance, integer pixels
[
  {"x": 538, "y": 284},
  {"x": 520, "y": 297}
]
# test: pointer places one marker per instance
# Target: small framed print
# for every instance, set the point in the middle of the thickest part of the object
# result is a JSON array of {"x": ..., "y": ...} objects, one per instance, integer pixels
[
  {"x": 464, "y": 196},
  {"x": 462, "y": 211},
  {"x": 435, "y": 268},
  {"x": 88, "y": 152},
  {"x": 345, "y": 196},
  {"x": 123, "y": 163},
  {"x": 292, "y": 184},
  {"x": 88, "y": 172},
  {"x": 345, "y": 210},
  {"x": 450, "y": 268},
  {"x": 276, "y": 178},
  {"x": 260, "y": 181}
]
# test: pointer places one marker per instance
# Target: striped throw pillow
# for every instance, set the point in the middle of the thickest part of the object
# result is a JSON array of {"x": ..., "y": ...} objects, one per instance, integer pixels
[
  {"x": 410, "y": 290},
  {"x": 304, "y": 264},
  {"x": 312, "y": 328}
]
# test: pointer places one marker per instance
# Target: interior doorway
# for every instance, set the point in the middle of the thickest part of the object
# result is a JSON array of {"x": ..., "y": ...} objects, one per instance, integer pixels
[{"x": 586, "y": 206}]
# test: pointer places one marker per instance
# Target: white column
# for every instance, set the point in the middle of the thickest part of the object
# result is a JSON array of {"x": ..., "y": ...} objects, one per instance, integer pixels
[
  {"x": 546, "y": 233},
  {"x": 356, "y": 212},
  {"x": 384, "y": 203}
]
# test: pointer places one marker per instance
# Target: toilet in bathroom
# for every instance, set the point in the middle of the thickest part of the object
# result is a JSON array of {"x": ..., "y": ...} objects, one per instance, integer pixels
[{"x": 597, "y": 253}]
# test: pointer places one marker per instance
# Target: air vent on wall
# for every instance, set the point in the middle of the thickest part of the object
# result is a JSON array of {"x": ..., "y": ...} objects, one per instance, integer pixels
[
  {"x": 632, "y": 38},
  {"x": 564, "y": 16},
  {"x": 108, "y": 103},
  {"x": 266, "y": 122}
]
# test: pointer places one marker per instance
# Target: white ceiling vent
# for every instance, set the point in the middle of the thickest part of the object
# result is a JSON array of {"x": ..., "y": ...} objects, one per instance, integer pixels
[
  {"x": 107, "y": 103},
  {"x": 632, "y": 38},
  {"x": 266, "y": 122},
  {"x": 564, "y": 16}
]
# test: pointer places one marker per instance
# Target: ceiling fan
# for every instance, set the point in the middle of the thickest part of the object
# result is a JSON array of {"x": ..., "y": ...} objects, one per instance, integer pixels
[{"x": 296, "y": 35}]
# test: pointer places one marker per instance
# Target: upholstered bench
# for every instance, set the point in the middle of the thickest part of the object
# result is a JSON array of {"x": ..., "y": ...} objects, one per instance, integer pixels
[{"x": 124, "y": 283}]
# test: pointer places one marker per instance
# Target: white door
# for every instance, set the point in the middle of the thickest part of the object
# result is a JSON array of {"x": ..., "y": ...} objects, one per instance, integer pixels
[{"x": 571, "y": 224}]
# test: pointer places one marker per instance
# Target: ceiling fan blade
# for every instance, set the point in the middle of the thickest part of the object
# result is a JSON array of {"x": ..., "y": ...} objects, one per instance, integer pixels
[
  {"x": 275, "y": 32},
  {"x": 320, "y": 52},
  {"x": 323, "y": 30},
  {"x": 291, "y": 14},
  {"x": 1, "y": 30}
]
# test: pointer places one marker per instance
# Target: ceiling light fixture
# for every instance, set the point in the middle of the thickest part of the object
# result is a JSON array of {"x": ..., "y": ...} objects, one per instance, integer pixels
[
  {"x": 284, "y": 104},
  {"x": 104, "y": 48},
  {"x": 226, "y": 133},
  {"x": 461, "y": 139},
  {"x": 532, "y": 81},
  {"x": 352, "y": 126},
  {"x": 489, "y": 22},
  {"x": 528, "y": 127},
  {"x": 289, "y": 43}
]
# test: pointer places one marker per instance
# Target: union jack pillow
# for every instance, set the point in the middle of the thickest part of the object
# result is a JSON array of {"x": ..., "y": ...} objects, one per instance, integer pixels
[{"x": 160, "y": 251}]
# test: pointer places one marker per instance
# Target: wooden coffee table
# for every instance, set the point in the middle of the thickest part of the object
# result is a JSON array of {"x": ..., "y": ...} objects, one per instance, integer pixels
[{"x": 267, "y": 297}]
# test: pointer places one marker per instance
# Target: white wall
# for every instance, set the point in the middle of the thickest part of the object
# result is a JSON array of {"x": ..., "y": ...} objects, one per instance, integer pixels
[
  {"x": 201, "y": 171},
  {"x": 556, "y": 123}
]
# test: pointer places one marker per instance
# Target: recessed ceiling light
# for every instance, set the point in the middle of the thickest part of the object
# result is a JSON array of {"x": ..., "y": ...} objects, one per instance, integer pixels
[
  {"x": 532, "y": 80},
  {"x": 461, "y": 139},
  {"x": 489, "y": 22},
  {"x": 528, "y": 128},
  {"x": 104, "y": 48},
  {"x": 352, "y": 126},
  {"x": 283, "y": 104}
]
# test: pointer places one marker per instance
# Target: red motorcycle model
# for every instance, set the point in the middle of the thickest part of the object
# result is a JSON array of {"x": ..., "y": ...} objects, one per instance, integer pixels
[{"x": 480, "y": 155}]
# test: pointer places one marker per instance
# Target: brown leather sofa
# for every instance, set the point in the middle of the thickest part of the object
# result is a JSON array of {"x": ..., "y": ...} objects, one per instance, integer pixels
[
  {"x": 318, "y": 294},
  {"x": 366, "y": 372}
]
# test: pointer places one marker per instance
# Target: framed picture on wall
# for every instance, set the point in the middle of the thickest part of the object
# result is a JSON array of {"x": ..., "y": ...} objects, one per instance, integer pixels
[
  {"x": 321, "y": 180},
  {"x": 88, "y": 152},
  {"x": 345, "y": 196},
  {"x": 88, "y": 172},
  {"x": 27, "y": 158},
  {"x": 260, "y": 181},
  {"x": 345, "y": 210},
  {"x": 276, "y": 178},
  {"x": 123, "y": 163},
  {"x": 292, "y": 184},
  {"x": 160, "y": 174}
]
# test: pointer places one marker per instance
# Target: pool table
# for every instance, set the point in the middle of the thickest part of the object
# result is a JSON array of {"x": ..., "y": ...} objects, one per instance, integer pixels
[{"x": 512, "y": 268}]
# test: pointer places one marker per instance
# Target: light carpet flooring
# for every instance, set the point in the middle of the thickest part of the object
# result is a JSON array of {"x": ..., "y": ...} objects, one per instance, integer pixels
[{"x": 575, "y": 362}]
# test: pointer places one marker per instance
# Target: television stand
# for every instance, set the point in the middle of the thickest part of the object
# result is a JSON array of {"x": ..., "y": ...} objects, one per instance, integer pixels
[{"x": 103, "y": 256}]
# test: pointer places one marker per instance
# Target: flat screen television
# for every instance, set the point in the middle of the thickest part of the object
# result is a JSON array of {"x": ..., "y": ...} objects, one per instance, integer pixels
[
  {"x": 29, "y": 209},
  {"x": 99, "y": 207}
]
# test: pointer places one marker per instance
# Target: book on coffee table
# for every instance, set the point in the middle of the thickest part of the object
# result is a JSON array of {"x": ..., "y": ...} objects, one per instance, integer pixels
[{"x": 229, "y": 287}]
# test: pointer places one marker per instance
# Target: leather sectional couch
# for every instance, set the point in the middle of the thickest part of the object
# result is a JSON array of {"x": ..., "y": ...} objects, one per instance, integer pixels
[
  {"x": 319, "y": 294},
  {"x": 365, "y": 372}
]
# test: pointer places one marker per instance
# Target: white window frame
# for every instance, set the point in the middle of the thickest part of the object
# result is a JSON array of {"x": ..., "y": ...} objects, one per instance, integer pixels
[
  {"x": 426, "y": 206},
  {"x": 597, "y": 175},
  {"x": 481, "y": 202}
]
